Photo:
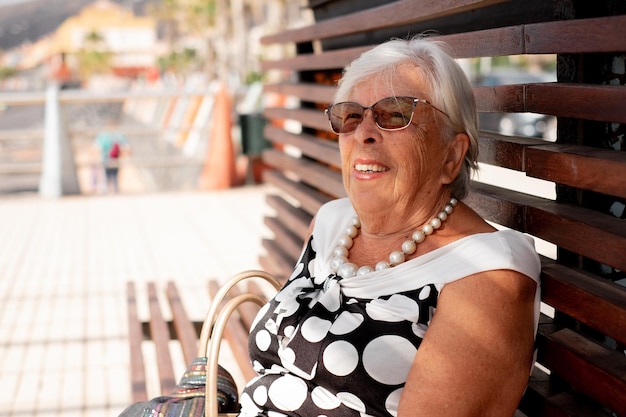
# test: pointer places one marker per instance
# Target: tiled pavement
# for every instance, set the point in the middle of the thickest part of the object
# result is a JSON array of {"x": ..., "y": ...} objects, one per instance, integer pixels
[{"x": 64, "y": 264}]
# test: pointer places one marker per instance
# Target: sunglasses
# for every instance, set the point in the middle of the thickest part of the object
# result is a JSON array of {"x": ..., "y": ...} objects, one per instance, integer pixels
[{"x": 390, "y": 113}]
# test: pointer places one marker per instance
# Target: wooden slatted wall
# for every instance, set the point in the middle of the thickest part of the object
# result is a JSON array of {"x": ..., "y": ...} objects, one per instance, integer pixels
[{"x": 583, "y": 333}]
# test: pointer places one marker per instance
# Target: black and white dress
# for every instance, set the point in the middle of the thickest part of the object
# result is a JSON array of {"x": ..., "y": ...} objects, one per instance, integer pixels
[{"x": 331, "y": 346}]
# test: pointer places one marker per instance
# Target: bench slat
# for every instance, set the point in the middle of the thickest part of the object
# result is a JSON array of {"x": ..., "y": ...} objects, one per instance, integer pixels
[
  {"x": 290, "y": 244},
  {"x": 161, "y": 336},
  {"x": 326, "y": 151},
  {"x": 327, "y": 180},
  {"x": 395, "y": 14},
  {"x": 567, "y": 289},
  {"x": 185, "y": 330},
  {"x": 588, "y": 366},
  {"x": 281, "y": 263},
  {"x": 310, "y": 198},
  {"x": 504, "y": 151},
  {"x": 293, "y": 218},
  {"x": 304, "y": 91},
  {"x": 310, "y": 118},
  {"x": 135, "y": 336},
  {"x": 580, "y": 167},
  {"x": 598, "y": 236}
]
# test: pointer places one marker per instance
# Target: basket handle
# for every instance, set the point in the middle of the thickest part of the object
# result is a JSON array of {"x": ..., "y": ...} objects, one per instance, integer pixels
[{"x": 214, "y": 325}]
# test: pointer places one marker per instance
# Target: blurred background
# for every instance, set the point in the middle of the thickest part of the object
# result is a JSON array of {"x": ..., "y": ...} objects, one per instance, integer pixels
[{"x": 149, "y": 70}]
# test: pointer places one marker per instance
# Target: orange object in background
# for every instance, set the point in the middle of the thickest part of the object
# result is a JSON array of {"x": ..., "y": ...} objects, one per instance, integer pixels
[{"x": 219, "y": 167}]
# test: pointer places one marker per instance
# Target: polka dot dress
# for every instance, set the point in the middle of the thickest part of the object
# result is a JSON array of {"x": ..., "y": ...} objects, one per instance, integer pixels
[{"x": 329, "y": 346}]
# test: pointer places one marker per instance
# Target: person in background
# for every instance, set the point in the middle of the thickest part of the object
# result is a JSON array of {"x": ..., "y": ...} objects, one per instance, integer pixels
[
  {"x": 404, "y": 301},
  {"x": 111, "y": 145}
]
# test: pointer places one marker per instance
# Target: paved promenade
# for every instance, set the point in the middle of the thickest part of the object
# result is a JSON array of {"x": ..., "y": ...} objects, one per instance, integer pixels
[{"x": 64, "y": 264}]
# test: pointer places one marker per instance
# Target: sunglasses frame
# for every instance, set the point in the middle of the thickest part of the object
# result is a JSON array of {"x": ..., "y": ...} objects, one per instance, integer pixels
[{"x": 415, "y": 100}]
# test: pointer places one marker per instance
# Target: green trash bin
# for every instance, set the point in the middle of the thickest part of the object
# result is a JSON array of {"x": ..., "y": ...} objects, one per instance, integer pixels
[{"x": 252, "y": 140}]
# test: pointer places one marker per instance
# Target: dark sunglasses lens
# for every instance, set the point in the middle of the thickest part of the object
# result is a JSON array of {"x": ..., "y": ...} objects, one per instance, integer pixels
[
  {"x": 345, "y": 117},
  {"x": 394, "y": 112}
]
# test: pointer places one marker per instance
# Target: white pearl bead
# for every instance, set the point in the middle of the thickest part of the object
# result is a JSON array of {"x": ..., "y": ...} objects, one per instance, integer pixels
[
  {"x": 443, "y": 216},
  {"x": 347, "y": 270},
  {"x": 356, "y": 222},
  {"x": 448, "y": 209},
  {"x": 435, "y": 223},
  {"x": 396, "y": 257},
  {"x": 345, "y": 241},
  {"x": 409, "y": 247},
  {"x": 337, "y": 261},
  {"x": 340, "y": 251},
  {"x": 427, "y": 229},
  {"x": 352, "y": 231},
  {"x": 364, "y": 270},
  {"x": 453, "y": 202},
  {"x": 381, "y": 265},
  {"x": 418, "y": 236}
]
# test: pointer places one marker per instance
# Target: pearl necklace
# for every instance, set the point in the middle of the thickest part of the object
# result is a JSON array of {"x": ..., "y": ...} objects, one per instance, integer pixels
[{"x": 342, "y": 267}]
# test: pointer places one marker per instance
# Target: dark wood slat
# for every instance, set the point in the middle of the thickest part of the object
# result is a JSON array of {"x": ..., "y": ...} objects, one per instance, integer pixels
[
  {"x": 589, "y": 102},
  {"x": 504, "y": 151},
  {"x": 135, "y": 337},
  {"x": 587, "y": 366},
  {"x": 580, "y": 167},
  {"x": 328, "y": 180},
  {"x": 309, "y": 198},
  {"x": 589, "y": 233},
  {"x": 487, "y": 43},
  {"x": 304, "y": 91},
  {"x": 161, "y": 337},
  {"x": 586, "y": 232},
  {"x": 315, "y": 119},
  {"x": 290, "y": 244},
  {"x": 282, "y": 263},
  {"x": 185, "y": 330},
  {"x": 295, "y": 219},
  {"x": 326, "y": 151},
  {"x": 268, "y": 263},
  {"x": 604, "y": 34},
  {"x": 237, "y": 337},
  {"x": 503, "y": 98},
  {"x": 394, "y": 14},
  {"x": 567, "y": 289},
  {"x": 320, "y": 61}
]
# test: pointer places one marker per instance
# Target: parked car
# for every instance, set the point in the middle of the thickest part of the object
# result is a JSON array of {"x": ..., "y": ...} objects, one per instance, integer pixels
[{"x": 513, "y": 124}]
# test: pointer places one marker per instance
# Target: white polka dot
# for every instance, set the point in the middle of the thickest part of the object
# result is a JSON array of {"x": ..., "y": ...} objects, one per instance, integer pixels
[
  {"x": 396, "y": 308},
  {"x": 392, "y": 401},
  {"x": 388, "y": 359},
  {"x": 260, "y": 395},
  {"x": 288, "y": 393},
  {"x": 324, "y": 399},
  {"x": 248, "y": 407},
  {"x": 287, "y": 356},
  {"x": 351, "y": 401},
  {"x": 419, "y": 329},
  {"x": 289, "y": 330},
  {"x": 315, "y": 329},
  {"x": 331, "y": 298},
  {"x": 425, "y": 293},
  {"x": 263, "y": 340},
  {"x": 340, "y": 358},
  {"x": 346, "y": 322},
  {"x": 259, "y": 315}
]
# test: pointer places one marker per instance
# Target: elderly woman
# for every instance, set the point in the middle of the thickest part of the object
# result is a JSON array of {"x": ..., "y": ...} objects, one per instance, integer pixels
[{"x": 404, "y": 301}]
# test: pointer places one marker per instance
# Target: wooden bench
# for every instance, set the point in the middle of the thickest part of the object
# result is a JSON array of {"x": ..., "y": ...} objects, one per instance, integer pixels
[
  {"x": 581, "y": 363},
  {"x": 170, "y": 331}
]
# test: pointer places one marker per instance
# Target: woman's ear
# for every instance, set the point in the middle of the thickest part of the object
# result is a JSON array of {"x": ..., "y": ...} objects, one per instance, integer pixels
[{"x": 453, "y": 162}]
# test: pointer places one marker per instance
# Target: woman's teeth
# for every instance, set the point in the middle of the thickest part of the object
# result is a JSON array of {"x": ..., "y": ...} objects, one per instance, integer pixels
[{"x": 370, "y": 168}]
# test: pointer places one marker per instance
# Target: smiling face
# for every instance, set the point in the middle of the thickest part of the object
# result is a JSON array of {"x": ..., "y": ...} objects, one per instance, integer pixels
[{"x": 396, "y": 173}]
